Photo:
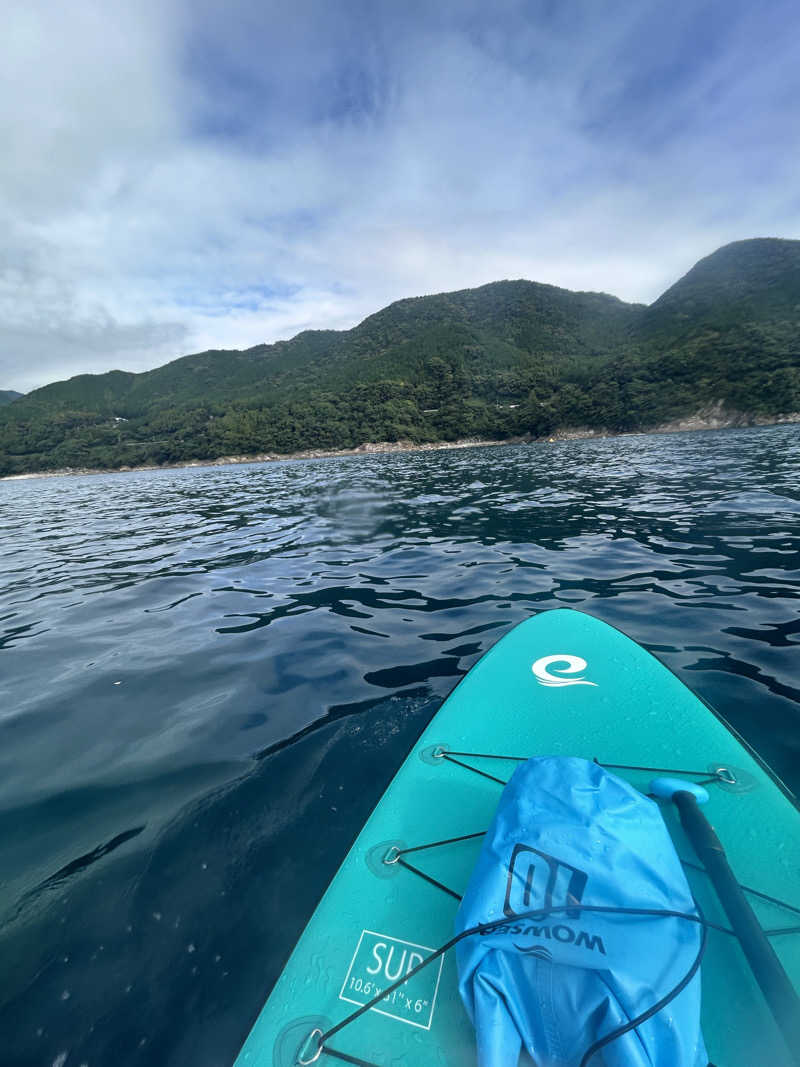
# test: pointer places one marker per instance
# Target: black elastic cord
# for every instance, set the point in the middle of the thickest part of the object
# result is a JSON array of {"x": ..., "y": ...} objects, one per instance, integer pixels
[
  {"x": 706, "y": 777},
  {"x": 480, "y": 928},
  {"x": 645, "y": 1015},
  {"x": 483, "y": 774},
  {"x": 749, "y": 889},
  {"x": 540, "y": 913},
  {"x": 428, "y": 878},
  {"x": 686, "y": 863},
  {"x": 772, "y": 932},
  {"x": 483, "y": 755},
  {"x": 446, "y": 841},
  {"x": 433, "y": 844},
  {"x": 712, "y": 776},
  {"x": 459, "y": 897},
  {"x": 694, "y": 866}
]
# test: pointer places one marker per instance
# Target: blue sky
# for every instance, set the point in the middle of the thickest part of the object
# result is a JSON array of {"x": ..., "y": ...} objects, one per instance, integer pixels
[{"x": 183, "y": 175}]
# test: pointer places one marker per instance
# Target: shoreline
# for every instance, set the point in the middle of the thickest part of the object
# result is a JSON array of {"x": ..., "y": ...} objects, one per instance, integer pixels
[{"x": 709, "y": 419}]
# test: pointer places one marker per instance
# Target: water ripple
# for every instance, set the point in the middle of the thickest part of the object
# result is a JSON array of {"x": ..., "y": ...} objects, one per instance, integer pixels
[{"x": 202, "y": 666}]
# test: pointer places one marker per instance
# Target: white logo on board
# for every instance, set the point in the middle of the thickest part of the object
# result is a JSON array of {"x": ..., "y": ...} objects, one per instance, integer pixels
[
  {"x": 378, "y": 962},
  {"x": 568, "y": 665}
]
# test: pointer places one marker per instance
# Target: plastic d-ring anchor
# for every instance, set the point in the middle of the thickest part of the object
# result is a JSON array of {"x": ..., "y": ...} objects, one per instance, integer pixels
[
  {"x": 303, "y": 1062},
  {"x": 725, "y": 774}
]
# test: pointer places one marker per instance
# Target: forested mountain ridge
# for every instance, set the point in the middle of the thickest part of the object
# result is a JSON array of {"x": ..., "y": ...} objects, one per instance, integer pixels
[
  {"x": 7, "y": 395},
  {"x": 747, "y": 281},
  {"x": 731, "y": 326},
  {"x": 512, "y": 358}
]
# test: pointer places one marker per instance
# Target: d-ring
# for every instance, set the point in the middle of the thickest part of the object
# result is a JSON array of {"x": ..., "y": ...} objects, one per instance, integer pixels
[{"x": 316, "y": 1055}]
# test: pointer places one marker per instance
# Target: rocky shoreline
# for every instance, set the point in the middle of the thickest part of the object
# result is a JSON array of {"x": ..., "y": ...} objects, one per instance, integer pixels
[{"x": 713, "y": 417}]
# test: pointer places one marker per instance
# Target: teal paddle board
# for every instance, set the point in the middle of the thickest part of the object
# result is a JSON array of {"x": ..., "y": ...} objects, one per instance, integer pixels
[{"x": 560, "y": 683}]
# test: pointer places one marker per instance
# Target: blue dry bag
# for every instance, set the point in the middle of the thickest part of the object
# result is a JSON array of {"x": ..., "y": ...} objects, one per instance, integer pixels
[{"x": 558, "y": 979}]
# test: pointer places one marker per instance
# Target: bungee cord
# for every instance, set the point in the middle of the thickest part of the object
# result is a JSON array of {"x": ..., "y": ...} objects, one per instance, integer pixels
[{"x": 395, "y": 855}]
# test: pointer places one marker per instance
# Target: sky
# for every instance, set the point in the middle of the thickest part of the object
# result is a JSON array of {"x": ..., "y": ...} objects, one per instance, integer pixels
[{"x": 178, "y": 175}]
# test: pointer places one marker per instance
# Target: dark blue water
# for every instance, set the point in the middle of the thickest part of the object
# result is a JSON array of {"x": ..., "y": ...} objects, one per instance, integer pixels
[{"x": 207, "y": 677}]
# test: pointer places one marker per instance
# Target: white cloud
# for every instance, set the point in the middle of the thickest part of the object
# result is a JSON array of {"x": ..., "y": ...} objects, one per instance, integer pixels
[{"x": 182, "y": 177}]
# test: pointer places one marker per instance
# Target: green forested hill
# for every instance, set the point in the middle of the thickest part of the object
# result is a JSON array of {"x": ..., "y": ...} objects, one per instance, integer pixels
[
  {"x": 7, "y": 395},
  {"x": 730, "y": 330},
  {"x": 744, "y": 282},
  {"x": 508, "y": 359}
]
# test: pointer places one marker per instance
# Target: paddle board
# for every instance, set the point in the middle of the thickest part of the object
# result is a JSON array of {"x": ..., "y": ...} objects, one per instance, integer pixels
[{"x": 560, "y": 683}]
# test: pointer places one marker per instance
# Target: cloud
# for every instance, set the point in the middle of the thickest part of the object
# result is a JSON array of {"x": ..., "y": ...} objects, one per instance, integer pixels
[{"x": 181, "y": 176}]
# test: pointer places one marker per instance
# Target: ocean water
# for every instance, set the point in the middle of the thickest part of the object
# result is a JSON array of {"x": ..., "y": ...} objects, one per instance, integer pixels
[{"x": 208, "y": 676}]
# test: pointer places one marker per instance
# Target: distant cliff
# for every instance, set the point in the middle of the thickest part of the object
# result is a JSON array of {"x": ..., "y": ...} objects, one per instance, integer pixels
[{"x": 514, "y": 359}]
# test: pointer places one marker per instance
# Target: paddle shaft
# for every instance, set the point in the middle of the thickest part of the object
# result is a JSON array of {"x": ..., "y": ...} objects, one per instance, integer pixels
[{"x": 775, "y": 984}]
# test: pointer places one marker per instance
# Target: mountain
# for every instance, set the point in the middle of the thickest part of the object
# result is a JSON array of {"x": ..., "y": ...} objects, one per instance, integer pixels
[
  {"x": 513, "y": 358},
  {"x": 7, "y": 395},
  {"x": 731, "y": 327},
  {"x": 744, "y": 282},
  {"x": 487, "y": 328}
]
